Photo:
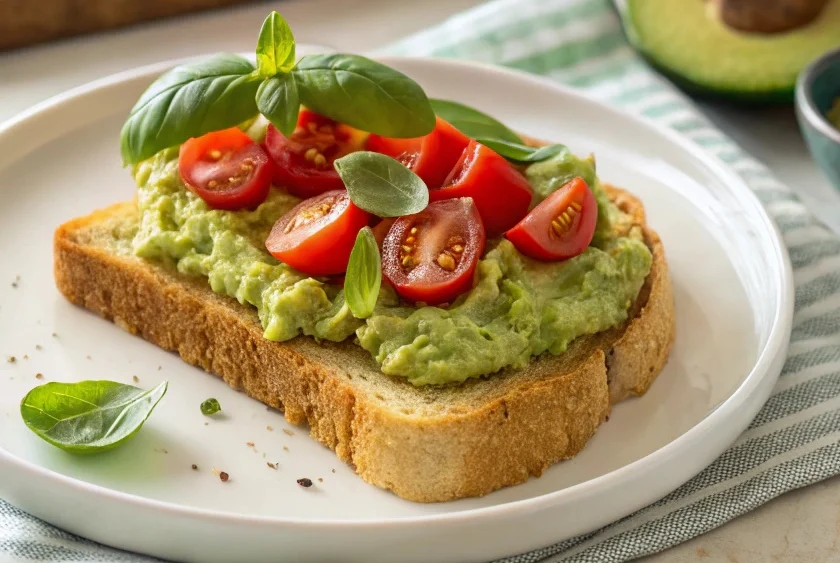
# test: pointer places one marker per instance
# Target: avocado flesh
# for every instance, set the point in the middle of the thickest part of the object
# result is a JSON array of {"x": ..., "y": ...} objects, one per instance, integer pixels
[{"x": 702, "y": 54}]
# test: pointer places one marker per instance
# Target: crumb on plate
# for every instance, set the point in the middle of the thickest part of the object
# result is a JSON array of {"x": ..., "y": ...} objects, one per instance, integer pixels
[{"x": 305, "y": 482}]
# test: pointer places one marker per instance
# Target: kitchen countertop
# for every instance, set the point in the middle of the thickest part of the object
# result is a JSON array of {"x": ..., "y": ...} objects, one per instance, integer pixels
[{"x": 802, "y": 525}]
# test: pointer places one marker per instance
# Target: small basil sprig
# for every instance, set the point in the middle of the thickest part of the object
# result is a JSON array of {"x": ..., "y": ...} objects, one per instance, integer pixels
[
  {"x": 89, "y": 416},
  {"x": 188, "y": 101},
  {"x": 364, "y": 275},
  {"x": 472, "y": 122},
  {"x": 196, "y": 98},
  {"x": 522, "y": 154},
  {"x": 381, "y": 185}
]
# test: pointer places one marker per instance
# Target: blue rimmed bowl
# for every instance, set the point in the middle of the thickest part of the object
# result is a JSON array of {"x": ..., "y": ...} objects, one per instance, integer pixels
[{"x": 816, "y": 89}]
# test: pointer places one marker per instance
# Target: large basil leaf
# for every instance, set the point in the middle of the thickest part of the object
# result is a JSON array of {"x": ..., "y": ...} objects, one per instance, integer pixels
[
  {"x": 364, "y": 275},
  {"x": 275, "y": 46},
  {"x": 472, "y": 122},
  {"x": 522, "y": 154},
  {"x": 364, "y": 94},
  {"x": 89, "y": 416},
  {"x": 278, "y": 101},
  {"x": 381, "y": 185},
  {"x": 188, "y": 101}
]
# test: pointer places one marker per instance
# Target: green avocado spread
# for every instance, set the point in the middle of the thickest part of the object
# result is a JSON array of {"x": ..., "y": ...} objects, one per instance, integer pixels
[{"x": 518, "y": 308}]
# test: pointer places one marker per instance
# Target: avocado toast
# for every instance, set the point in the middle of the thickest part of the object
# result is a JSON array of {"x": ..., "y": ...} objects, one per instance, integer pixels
[
  {"x": 425, "y": 443},
  {"x": 449, "y": 310}
]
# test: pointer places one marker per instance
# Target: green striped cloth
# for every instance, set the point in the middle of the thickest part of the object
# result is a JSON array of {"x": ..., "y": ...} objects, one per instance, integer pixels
[{"x": 795, "y": 439}]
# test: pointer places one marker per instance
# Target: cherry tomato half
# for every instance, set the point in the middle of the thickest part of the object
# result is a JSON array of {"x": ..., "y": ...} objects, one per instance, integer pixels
[
  {"x": 227, "y": 169},
  {"x": 304, "y": 161},
  {"x": 501, "y": 194},
  {"x": 430, "y": 257},
  {"x": 561, "y": 226},
  {"x": 439, "y": 151},
  {"x": 393, "y": 147},
  {"x": 317, "y": 235}
]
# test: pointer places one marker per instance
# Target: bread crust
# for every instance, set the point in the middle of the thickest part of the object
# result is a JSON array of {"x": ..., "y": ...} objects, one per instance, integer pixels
[{"x": 424, "y": 444}]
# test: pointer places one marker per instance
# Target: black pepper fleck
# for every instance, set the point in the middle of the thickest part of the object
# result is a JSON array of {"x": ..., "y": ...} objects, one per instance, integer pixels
[
  {"x": 194, "y": 467},
  {"x": 305, "y": 482},
  {"x": 37, "y": 346}
]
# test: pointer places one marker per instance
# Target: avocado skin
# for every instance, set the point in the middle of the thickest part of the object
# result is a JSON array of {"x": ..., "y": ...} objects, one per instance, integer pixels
[{"x": 747, "y": 97}]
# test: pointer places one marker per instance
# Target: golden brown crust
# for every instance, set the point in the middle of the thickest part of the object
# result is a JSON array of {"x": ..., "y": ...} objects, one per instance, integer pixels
[{"x": 425, "y": 444}]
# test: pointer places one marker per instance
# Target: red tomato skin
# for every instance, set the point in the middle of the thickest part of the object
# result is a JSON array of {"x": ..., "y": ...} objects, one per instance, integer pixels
[
  {"x": 393, "y": 147},
  {"x": 321, "y": 248},
  {"x": 445, "y": 288},
  {"x": 196, "y": 170},
  {"x": 438, "y": 154},
  {"x": 500, "y": 192},
  {"x": 533, "y": 235},
  {"x": 293, "y": 172}
]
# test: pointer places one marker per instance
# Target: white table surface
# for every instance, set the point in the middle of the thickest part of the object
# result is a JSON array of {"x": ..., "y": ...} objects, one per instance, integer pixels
[{"x": 803, "y": 525}]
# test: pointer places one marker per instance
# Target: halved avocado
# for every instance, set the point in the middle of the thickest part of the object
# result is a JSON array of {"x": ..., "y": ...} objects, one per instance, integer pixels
[{"x": 744, "y": 50}]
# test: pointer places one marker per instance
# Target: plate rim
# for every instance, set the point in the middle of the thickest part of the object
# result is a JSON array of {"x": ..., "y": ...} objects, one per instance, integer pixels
[{"x": 776, "y": 345}]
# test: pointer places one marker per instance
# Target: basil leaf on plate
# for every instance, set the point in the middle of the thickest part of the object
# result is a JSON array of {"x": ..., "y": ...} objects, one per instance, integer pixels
[
  {"x": 89, "y": 416},
  {"x": 188, "y": 101},
  {"x": 277, "y": 100},
  {"x": 364, "y": 94},
  {"x": 275, "y": 47},
  {"x": 364, "y": 275},
  {"x": 472, "y": 122},
  {"x": 381, "y": 185},
  {"x": 522, "y": 154}
]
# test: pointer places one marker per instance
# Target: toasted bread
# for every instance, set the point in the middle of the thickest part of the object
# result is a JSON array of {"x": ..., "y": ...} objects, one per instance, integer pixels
[{"x": 426, "y": 444}]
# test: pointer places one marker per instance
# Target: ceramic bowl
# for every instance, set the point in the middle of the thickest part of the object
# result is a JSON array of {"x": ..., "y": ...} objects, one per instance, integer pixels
[{"x": 816, "y": 89}]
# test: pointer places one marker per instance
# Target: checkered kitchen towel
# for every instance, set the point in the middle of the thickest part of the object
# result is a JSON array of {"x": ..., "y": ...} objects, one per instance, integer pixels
[{"x": 795, "y": 439}]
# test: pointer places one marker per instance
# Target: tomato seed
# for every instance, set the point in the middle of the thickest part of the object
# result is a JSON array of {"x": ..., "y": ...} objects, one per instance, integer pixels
[{"x": 446, "y": 262}]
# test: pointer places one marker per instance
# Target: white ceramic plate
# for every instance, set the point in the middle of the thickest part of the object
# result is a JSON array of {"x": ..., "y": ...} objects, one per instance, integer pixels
[{"x": 733, "y": 291}]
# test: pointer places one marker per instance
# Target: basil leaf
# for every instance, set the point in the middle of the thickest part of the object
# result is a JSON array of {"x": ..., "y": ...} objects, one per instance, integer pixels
[
  {"x": 522, "y": 154},
  {"x": 275, "y": 46},
  {"x": 364, "y": 275},
  {"x": 472, "y": 122},
  {"x": 277, "y": 100},
  {"x": 89, "y": 416},
  {"x": 188, "y": 101},
  {"x": 381, "y": 185},
  {"x": 364, "y": 94}
]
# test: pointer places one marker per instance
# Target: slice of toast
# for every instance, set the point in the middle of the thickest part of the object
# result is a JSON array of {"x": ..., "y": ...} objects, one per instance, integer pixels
[{"x": 425, "y": 444}]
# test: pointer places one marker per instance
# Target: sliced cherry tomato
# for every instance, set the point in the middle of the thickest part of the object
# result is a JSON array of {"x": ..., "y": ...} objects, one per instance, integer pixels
[
  {"x": 393, "y": 147},
  {"x": 561, "y": 226},
  {"x": 439, "y": 151},
  {"x": 380, "y": 230},
  {"x": 304, "y": 161},
  {"x": 500, "y": 192},
  {"x": 227, "y": 169},
  {"x": 430, "y": 257},
  {"x": 317, "y": 235}
]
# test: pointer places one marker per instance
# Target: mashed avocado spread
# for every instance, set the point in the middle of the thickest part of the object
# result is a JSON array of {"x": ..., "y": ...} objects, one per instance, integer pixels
[{"x": 518, "y": 308}]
